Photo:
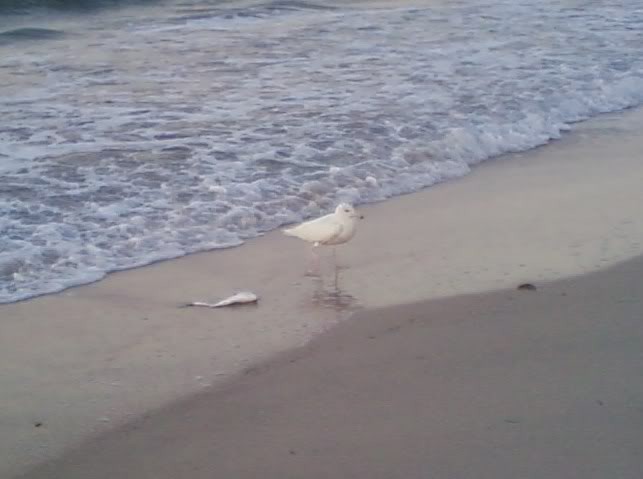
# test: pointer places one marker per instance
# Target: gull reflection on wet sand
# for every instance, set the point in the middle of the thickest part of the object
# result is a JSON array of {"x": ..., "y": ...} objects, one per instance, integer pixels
[{"x": 333, "y": 296}]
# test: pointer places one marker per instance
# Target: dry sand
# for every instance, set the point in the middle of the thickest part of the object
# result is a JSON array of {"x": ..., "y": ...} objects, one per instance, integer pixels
[
  {"x": 85, "y": 361},
  {"x": 512, "y": 384}
]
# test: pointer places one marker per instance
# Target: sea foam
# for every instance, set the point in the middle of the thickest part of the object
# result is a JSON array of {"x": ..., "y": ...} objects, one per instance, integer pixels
[{"x": 137, "y": 138}]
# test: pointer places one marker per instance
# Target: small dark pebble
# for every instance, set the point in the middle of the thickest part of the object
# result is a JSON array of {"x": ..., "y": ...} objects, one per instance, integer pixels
[
  {"x": 512, "y": 420},
  {"x": 599, "y": 402},
  {"x": 37, "y": 424},
  {"x": 292, "y": 452},
  {"x": 526, "y": 287},
  {"x": 251, "y": 371}
]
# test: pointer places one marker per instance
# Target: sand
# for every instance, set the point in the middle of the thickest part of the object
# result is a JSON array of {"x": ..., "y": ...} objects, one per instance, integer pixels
[
  {"x": 504, "y": 385},
  {"x": 78, "y": 364}
]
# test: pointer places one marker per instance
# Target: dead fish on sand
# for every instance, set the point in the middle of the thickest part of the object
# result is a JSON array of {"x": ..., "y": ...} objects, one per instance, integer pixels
[{"x": 242, "y": 297}]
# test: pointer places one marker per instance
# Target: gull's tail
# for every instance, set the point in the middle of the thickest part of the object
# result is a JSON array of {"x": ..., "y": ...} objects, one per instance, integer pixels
[{"x": 289, "y": 232}]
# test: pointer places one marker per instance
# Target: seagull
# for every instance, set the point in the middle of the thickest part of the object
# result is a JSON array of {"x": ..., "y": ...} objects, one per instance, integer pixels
[{"x": 333, "y": 229}]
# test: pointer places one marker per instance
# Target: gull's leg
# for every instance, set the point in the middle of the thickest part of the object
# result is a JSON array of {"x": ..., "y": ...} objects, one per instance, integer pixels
[
  {"x": 335, "y": 264},
  {"x": 336, "y": 279},
  {"x": 314, "y": 268},
  {"x": 338, "y": 267}
]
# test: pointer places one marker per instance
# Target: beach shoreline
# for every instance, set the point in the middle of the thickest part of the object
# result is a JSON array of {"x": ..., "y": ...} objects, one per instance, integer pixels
[
  {"x": 77, "y": 364},
  {"x": 511, "y": 383}
]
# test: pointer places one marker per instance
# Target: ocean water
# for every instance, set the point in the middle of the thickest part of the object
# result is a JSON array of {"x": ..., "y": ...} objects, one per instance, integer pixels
[{"x": 135, "y": 133}]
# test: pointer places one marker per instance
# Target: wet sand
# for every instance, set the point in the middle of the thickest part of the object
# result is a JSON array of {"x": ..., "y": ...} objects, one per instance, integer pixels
[
  {"x": 75, "y": 366},
  {"x": 527, "y": 384}
]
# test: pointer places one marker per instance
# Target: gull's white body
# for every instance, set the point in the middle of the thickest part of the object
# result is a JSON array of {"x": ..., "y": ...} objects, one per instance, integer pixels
[{"x": 335, "y": 228}]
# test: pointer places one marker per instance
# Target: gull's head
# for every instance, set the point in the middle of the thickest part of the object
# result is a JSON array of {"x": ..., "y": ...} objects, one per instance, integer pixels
[{"x": 346, "y": 210}]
